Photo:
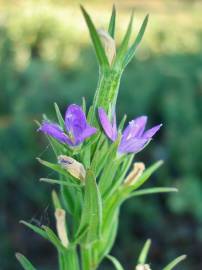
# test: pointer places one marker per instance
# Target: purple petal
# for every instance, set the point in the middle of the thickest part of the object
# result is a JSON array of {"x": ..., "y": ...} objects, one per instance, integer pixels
[
  {"x": 54, "y": 131},
  {"x": 132, "y": 146},
  {"x": 110, "y": 129},
  {"x": 75, "y": 120},
  {"x": 151, "y": 132},
  {"x": 135, "y": 128},
  {"x": 89, "y": 131},
  {"x": 76, "y": 124}
]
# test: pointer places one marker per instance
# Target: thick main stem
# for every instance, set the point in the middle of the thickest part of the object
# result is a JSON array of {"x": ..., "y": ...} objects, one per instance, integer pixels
[
  {"x": 86, "y": 258},
  {"x": 107, "y": 90},
  {"x": 69, "y": 260}
]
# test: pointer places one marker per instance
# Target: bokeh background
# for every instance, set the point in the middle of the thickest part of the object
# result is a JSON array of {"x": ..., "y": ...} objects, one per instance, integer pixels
[{"x": 46, "y": 57}]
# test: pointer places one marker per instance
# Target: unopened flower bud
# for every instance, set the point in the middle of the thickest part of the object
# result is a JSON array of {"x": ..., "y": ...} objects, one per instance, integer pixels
[
  {"x": 74, "y": 167},
  {"x": 138, "y": 168},
  {"x": 142, "y": 267},
  {"x": 108, "y": 44},
  {"x": 61, "y": 226}
]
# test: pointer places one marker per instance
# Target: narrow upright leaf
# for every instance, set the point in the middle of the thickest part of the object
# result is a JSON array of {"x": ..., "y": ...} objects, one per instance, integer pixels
[
  {"x": 112, "y": 23},
  {"x": 124, "y": 44},
  {"x": 115, "y": 262},
  {"x": 56, "y": 200},
  {"x": 171, "y": 265},
  {"x": 144, "y": 252},
  {"x": 99, "y": 50},
  {"x": 26, "y": 264},
  {"x": 92, "y": 210},
  {"x": 137, "y": 41},
  {"x": 54, "y": 239},
  {"x": 59, "y": 115}
]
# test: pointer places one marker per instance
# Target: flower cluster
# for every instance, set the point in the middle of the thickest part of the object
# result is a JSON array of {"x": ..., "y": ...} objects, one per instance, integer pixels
[{"x": 77, "y": 129}]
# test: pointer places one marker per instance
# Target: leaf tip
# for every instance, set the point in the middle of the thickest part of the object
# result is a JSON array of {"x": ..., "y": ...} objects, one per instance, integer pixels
[{"x": 18, "y": 255}]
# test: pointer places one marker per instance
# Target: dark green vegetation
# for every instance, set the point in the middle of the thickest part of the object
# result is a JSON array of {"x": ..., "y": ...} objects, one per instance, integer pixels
[{"x": 167, "y": 87}]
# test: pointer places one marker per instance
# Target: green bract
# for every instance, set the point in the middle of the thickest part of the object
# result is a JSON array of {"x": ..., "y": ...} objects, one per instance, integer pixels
[{"x": 93, "y": 205}]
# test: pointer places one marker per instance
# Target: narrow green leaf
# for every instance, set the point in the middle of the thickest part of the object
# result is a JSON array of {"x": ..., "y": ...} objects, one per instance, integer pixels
[
  {"x": 34, "y": 228},
  {"x": 121, "y": 173},
  {"x": 59, "y": 182},
  {"x": 112, "y": 164},
  {"x": 59, "y": 116},
  {"x": 132, "y": 49},
  {"x": 100, "y": 52},
  {"x": 109, "y": 232},
  {"x": 54, "y": 239},
  {"x": 92, "y": 209},
  {"x": 121, "y": 125},
  {"x": 144, "y": 252},
  {"x": 115, "y": 262},
  {"x": 81, "y": 234},
  {"x": 53, "y": 166},
  {"x": 84, "y": 104},
  {"x": 55, "y": 199},
  {"x": 124, "y": 44},
  {"x": 112, "y": 23},
  {"x": 145, "y": 176},
  {"x": 152, "y": 191},
  {"x": 171, "y": 265},
  {"x": 26, "y": 264}
]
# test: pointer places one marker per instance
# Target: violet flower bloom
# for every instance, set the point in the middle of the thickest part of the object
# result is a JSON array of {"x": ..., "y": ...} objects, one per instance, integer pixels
[
  {"x": 77, "y": 128},
  {"x": 110, "y": 129},
  {"x": 134, "y": 137}
]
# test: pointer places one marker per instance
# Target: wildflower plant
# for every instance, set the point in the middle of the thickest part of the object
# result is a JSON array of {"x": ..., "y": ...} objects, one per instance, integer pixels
[{"x": 94, "y": 162}]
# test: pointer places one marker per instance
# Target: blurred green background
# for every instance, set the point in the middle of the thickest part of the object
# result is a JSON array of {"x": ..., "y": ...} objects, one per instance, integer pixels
[{"x": 46, "y": 57}]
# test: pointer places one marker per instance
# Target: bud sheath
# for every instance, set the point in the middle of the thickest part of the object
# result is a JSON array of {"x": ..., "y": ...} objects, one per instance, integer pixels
[
  {"x": 138, "y": 168},
  {"x": 74, "y": 167}
]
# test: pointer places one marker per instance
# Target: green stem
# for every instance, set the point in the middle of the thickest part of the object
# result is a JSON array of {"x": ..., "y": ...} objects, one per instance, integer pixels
[
  {"x": 87, "y": 258},
  {"x": 107, "y": 90},
  {"x": 70, "y": 260}
]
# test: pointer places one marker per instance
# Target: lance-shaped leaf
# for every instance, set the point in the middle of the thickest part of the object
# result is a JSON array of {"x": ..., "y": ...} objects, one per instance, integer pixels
[
  {"x": 99, "y": 50},
  {"x": 26, "y": 264},
  {"x": 109, "y": 231},
  {"x": 57, "y": 168},
  {"x": 171, "y": 265},
  {"x": 92, "y": 210},
  {"x": 115, "y": 262},
  {"x": 145, "y": 176},
  {"x": 56, "y": 200},
  {"x": 59, "y": 116},
  {"x": 112, "y": 164},
  {"x": 59, "y": 182},
  {"x": 54, "y": 239},
  {"x": 124, "y": 44},
  {"x": 144, "y": 252},
  {"x": 35, "y": 228},
  {"x": 112, "y": 23},
  {"x": 131, "y": 51},
  {"x": 148, "y": 191}
]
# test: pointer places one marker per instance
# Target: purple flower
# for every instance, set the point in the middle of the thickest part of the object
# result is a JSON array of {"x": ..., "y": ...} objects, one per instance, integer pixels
[
  {"x": 76, "y": 127},
  {"x": 110, "y": 129},
  {"x": 134, "y": 137}
]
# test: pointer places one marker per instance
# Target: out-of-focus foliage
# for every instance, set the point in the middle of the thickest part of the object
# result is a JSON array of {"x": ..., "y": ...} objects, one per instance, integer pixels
[{"x": 44, "y": 58}]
